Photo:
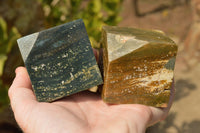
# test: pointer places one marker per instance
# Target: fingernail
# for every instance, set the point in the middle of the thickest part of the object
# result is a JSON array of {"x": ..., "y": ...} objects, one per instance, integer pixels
[{"x": 95, "y": 54}]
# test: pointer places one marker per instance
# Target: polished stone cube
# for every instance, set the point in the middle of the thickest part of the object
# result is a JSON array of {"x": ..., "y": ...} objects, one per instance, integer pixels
[
  {"x": 138, "y": 66},
  {"x": 60, "y": 61}
]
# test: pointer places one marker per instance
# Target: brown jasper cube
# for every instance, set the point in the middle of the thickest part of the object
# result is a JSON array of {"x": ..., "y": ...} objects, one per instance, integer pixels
[{"x": 138, "y": 66}]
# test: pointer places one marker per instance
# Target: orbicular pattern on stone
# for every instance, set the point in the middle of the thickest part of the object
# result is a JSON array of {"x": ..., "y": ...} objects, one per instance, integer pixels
[
  {"x": 138, "y": 66},
  {"x": 60, "y": 61}
]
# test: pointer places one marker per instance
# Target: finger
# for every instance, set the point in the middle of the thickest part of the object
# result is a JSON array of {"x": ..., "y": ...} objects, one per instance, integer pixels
[
  {"x": 159, "y": 114},
  {"x": 96, "y": 54},
  {"x": 22, "y": 79},
  {"x": 20, "y": 92}
]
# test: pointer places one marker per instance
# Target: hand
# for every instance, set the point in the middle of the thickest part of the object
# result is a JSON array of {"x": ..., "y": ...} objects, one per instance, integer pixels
[{"x": 83, "y": 112}]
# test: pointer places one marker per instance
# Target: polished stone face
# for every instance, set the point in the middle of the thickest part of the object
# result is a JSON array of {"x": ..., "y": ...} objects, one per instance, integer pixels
[
  {"x": 138, "y": 66},
  {"x": 60, "y": 61}
]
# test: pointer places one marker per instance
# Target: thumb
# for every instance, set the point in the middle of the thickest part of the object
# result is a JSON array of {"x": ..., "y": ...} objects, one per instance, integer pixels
[{"x": 20, "y": 93}]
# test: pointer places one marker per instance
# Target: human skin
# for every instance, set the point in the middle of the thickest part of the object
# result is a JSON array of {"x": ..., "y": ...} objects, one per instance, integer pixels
[{"x": 83, "y": 112}]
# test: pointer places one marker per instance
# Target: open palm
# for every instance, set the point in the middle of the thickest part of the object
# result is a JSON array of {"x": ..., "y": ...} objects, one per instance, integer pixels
[{"x": 83, "y": 112}]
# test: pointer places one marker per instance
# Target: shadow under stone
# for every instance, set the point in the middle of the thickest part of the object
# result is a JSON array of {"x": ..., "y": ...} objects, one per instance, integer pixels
[
  {"x": 162, "y": 127},
  {"x": 186, "y": 127},
  {"x": 183, "y": 88}
]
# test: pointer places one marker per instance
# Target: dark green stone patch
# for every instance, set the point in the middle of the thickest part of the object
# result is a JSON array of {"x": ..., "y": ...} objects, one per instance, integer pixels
[{"x": 61, "y": 61}]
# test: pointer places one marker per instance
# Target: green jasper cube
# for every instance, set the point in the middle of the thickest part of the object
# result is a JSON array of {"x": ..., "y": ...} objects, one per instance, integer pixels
[{"x": 60, "y": 61}]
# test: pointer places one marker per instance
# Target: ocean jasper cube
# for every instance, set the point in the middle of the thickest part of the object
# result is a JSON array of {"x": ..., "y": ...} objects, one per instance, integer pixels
[{"x": 138, "y": 66}]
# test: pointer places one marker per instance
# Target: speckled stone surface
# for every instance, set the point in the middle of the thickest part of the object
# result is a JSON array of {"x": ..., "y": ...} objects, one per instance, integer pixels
[
  {"x": 138, "y": 66},
  {"x": 60, "y": 61}
]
